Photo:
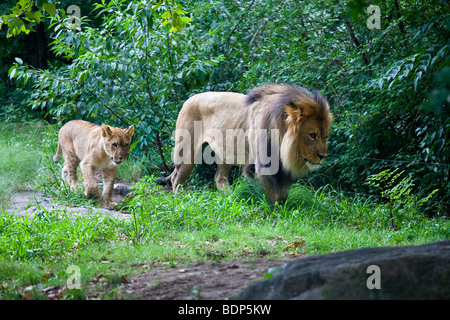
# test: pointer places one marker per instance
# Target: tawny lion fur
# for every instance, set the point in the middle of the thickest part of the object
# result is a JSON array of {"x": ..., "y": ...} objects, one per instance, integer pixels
[
  {"x": 94, "y": 148},
  {"x": 303, "y": 119}
]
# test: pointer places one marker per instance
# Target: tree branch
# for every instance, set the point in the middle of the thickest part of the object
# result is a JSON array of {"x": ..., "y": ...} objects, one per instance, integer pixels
[
  {"x": 400, "y": 25},
  {"x": 352, "y": 34},
  {"x": 239, "y": 22}
]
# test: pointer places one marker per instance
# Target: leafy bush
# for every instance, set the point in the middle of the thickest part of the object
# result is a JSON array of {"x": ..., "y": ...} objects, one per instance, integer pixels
[
  {"x": 403, "y": 205},
  {"x": 134, "y": 68}
]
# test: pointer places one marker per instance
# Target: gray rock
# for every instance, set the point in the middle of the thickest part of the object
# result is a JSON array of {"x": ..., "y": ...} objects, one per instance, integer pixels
[{"x": 414, "y": 272}]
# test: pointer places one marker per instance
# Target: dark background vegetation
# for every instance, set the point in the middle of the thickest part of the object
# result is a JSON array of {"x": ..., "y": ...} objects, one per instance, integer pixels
[{"x": 136, "y": 62}]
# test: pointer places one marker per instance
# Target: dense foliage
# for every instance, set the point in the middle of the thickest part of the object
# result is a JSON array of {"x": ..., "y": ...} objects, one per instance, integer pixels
[{"x": 137, "y": 61}]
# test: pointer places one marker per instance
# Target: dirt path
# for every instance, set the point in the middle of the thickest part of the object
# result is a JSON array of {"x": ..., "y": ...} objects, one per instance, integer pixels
[
  {"x": 211, "y": 280},
  {"x": 30, "y": 202}
]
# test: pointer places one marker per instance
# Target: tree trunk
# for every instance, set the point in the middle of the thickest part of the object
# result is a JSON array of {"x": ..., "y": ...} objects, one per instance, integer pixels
[{"x": 37, "y": 48}]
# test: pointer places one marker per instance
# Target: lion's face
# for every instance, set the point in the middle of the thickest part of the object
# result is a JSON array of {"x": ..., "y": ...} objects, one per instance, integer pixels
[
  {"x": 117, "y": 143},
  {"x": 312, "y": 143},
  {"x": 304, "y": 146}
]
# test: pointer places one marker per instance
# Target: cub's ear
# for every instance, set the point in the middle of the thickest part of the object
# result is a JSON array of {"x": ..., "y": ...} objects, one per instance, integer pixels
[
  {"x": 298, "y": 112},
  {"x": 129, "y": 131},
  {"x": 106, "y": 131}
]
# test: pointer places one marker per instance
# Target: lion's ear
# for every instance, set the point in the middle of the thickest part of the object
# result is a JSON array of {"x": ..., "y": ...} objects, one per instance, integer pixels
[
  {"x": 297, "y": 113},
  {"x": 106, "y": 130},
  {"x": 129, "y": 131}
]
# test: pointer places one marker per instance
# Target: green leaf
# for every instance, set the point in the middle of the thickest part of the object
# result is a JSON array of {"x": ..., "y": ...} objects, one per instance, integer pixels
[
  {"x": 166, "y": 15},
  {"x": 49, "y": 8},
  {"x": 15, "y": 27},
  {"x": 439, "y": 145},
  {"x": 37, "y": 16},
  {"x": 82, "y": 77},
  {"x": 134, "y": 145},
  {"x": 186, "y": 19},
  {"x": 419, "y": 75},
  {"x": 12, "y": 72}
]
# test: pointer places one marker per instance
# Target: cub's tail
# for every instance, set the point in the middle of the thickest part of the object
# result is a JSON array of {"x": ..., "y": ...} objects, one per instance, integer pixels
[{"x": 58, "y": 154}]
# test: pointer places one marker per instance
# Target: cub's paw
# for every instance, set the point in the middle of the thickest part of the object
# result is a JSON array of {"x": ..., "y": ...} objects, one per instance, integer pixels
[{"x": 92, "y": 193}]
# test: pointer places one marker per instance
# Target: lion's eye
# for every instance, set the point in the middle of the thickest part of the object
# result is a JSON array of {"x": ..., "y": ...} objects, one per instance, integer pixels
[
  {"x": 114, "y": 145},
  {"x": 313, "y": 136}
]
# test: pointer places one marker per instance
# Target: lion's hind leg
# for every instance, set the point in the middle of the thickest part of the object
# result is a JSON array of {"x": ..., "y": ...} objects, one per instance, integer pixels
[
  {"x": 69, "y": 175},
  {"x": 69, "y": 171},
  {"x": 185, "y": 153},
  {"x": 221, "y": 177},
  {"x": 180, "y": 174}
]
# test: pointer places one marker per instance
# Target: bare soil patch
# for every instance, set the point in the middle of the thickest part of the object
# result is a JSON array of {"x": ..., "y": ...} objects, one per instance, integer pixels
[{"x": 213, "y": 280}]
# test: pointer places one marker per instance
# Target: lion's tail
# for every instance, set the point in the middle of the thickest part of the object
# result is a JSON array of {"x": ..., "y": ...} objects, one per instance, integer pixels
[
  {"x": 58, "y": 154},
  {"x": 164, "y": 181},
  {"x": 161, "y": 181}
]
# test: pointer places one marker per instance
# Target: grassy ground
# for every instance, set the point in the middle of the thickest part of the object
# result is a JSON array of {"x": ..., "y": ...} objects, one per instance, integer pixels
[
  {"x": 197, "y": 225},
  {"x": 22, "y": 149}
]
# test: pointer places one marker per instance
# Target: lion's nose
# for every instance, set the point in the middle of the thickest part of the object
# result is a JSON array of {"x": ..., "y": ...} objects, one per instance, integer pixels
[{"x": 322, "y": 156}]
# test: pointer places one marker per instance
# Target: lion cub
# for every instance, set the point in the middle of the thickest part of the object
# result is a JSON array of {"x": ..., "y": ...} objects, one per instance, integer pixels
[{"x": 94, "y": 148}]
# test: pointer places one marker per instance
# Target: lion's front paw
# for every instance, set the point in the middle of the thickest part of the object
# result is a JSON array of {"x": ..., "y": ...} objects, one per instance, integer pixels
[{"x": 108, "y": 204}]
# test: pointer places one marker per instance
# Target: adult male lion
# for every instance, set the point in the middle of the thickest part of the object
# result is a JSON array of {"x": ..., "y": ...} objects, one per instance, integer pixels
[
  {"x": 94, "y": 148},
  {"x": 280, "y": 131}
]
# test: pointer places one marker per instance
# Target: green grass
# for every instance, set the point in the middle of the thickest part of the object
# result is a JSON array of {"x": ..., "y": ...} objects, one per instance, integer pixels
[
  {"x": 22, "y": 149},
  {"x": 197, "y": 225},
  {"x": 130, "y": 171}
]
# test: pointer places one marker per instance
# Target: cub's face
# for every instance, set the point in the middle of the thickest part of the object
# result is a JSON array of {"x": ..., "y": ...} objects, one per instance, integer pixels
[{"x": 117, "y": 143}]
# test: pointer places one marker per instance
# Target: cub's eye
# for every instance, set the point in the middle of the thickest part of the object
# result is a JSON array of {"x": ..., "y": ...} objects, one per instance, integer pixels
[
  {"x": 313, "y": 136},
  {"x": 114, "y": 145}
]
